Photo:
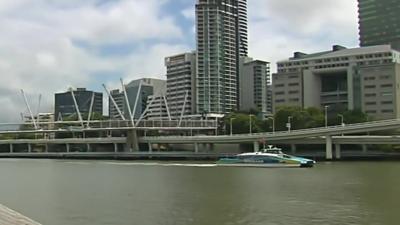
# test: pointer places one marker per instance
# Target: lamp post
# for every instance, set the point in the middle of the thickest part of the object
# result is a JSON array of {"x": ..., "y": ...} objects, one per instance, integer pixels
[
  {"x": 273, "y": 124},
  {"x": 289, "y": 125},
  {"x": 326, "y": 115},
  {"x": 341, "y": 119},
  {"x": 231, "y": 124},
  {"x": 250, "y": 123}
]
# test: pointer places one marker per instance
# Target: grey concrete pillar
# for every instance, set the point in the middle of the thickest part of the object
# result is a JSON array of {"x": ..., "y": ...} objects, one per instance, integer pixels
[
  {"x": 150, "y": 147},
  {"x": 256, "y": 146},
  {"x": 293, "y": 148},
  {"x": 46, "y": 147},
  {"x": 67, "y": 146},
  {"x": 29, "y": 148},
  {"x": 132, "y": 141},
  {"x": 338, "y": 151},
  {"x": 364, "y": 148},
  {"x": 196, "y": 147},
  {"x": 11, "y": 148},
  {"x": 88, "y": 147},
  {"x": 329, "y": 153},
  {"x": 115, "y": 147}
]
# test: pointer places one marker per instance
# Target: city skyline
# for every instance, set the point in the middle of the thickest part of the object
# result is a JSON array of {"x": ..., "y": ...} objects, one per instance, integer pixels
[{"x": 54, "y": 45}]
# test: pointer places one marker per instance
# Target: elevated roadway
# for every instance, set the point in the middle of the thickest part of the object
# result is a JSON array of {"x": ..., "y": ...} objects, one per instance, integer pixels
[{"x": 283, "y": 135}]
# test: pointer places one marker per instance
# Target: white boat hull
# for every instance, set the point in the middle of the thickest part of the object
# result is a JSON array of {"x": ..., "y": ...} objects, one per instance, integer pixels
[{"x": 264, "y": 165}]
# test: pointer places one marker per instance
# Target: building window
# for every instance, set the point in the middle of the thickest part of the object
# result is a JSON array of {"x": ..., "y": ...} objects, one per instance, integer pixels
[
  {"x": 385, "y": 77},
  {"x": 387, "y": 102},
  {"x": 370, "y": 86},
  {"x": 280, "y": 93},
  {"x": 370, "y": 111},
  {"x": 293, "y": 84},
  {"x": 279, "y": 100},
  {"x": 388, "y": 93},
  {"x": 293, "y": 92},
  {"x": 387, "y": 111},
  {"x": 280, "y": 85},
  {"x": 386, "y": 85},
  {"x": 370, "y": 103}
]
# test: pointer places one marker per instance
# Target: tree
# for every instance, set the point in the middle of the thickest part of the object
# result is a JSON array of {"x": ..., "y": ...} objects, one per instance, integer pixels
[
  {"x": 241, "y": 123},
  {"x": 355, "y": 116},
  {"x": 299, "y": 118}
]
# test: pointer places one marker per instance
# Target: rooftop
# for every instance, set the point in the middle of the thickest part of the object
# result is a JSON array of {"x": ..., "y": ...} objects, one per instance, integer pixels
[{"x": 340, "y": 51}]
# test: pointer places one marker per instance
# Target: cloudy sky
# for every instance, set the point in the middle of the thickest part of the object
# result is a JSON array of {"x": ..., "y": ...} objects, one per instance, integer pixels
[{"x": 47, "y": 46}]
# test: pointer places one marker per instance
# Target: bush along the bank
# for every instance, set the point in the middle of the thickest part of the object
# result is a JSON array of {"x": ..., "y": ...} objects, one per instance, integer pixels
[{"x": 300, "y": 118}]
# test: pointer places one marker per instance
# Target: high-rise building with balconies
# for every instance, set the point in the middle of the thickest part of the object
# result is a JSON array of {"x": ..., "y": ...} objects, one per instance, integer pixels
[
  {"x": 254, "y": 80},
  {"x": 138, "y": 93},
  {"x": 221, "y": 32},
  {"x": 181, "y": 76}
]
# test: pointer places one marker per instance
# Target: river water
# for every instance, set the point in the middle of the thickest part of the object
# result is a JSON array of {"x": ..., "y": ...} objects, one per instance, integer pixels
[{"x": 56, "y": 192}]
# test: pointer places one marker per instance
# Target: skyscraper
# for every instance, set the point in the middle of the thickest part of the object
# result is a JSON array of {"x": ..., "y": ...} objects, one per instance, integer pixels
[
  {"x": 221, "y": 27},
  {"x": 379, "y": 22}
]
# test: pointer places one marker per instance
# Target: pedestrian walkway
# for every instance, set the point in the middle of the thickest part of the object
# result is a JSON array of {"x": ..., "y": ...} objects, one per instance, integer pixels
[{"x": 11, "y": 217}]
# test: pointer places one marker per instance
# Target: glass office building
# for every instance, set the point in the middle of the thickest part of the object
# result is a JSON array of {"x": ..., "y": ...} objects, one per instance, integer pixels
[{"x": 379, "y": 22}]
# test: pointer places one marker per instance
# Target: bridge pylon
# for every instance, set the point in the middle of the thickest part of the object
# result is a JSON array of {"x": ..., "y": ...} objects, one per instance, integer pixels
[{"x": 132, "y": 141}]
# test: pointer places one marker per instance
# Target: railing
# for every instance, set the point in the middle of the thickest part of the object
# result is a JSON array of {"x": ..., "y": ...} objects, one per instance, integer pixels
[
  {"x": 108, "y": 124},
  {"x": 318, "y": 131}
]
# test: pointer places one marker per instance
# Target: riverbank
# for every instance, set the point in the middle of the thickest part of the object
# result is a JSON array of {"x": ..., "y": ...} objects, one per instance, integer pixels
[{"x": 11, "y": 217}]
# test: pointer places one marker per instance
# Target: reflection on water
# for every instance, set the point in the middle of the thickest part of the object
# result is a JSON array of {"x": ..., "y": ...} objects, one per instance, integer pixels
[{"x": 108, "y": 192}]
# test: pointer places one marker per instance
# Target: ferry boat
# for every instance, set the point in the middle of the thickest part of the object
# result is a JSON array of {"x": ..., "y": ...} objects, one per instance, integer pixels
[{"x": 267, "y": 157}]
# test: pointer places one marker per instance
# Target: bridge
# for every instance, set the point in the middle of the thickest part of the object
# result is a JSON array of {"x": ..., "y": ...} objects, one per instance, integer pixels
[{"x": 329, "y": 136}]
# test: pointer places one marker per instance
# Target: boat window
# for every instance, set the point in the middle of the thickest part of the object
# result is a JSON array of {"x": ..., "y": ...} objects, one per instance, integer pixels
[
  {"x": 286, "y": 156},
  {"x": 273, "y": 151}
]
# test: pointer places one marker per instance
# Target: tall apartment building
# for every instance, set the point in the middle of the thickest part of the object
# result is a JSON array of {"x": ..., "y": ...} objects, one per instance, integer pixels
[
  {"x": 379, "y": 22},
  {"x": 221, "y": 32},
  {"x": 148, "y": 87},
  {"x": 64, "y": 105},
  {"x": 253, "y": 82},
  {"x": 158, "y": 108},
  {"x": 366, "y": 78},
  {"x": 270, "y": 103},
  {"x": 181, "y": 80},
  {"x": 119, "y": 99}
]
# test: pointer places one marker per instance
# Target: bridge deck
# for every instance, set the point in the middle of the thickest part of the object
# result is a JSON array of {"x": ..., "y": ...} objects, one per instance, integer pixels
[{"x": 10, "y": 217}]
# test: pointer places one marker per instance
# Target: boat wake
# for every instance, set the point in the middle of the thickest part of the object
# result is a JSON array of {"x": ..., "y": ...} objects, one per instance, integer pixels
[{"x": 161, "y": 164}]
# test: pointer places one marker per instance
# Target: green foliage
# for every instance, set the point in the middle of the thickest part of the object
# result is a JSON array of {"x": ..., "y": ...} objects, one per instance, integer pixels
[
  {"x": 7, "y": 136},
  {"x": 241, "y": 123},
  {"x": 355, "y": 116},
  {"x": 300, "y": 118}
]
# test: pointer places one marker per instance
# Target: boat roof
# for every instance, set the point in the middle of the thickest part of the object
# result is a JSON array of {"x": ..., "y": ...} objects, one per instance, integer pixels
[{"x": 258, "y": 153}]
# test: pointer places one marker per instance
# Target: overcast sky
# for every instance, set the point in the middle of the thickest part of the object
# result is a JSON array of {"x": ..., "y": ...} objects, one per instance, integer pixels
[{"x": 47, "y": 46}]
